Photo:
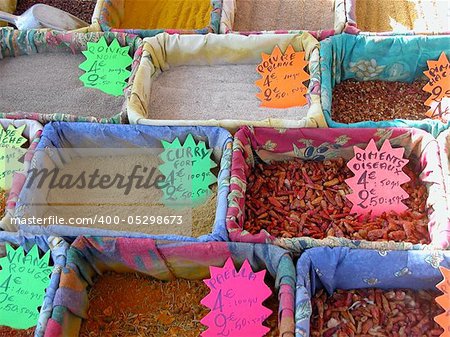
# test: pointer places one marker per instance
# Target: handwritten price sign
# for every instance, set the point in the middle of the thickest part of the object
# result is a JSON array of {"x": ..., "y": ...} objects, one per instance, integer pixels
[
  {"x": 11, "y": 151},
  {"x": 105, "y": 67},
  {"x": 439, "y": 87},
  {"x": 23, "y": 280},
  {"x": 235, "y": 301},
  {"x": 187, "y": 169},
  {"x": 444, "y": 301},
  {"x": 282, "y": 79},
  {"x": 378, "y": 178}
]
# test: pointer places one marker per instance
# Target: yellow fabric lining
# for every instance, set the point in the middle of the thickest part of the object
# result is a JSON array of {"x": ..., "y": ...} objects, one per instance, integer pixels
[
  {"x": 164, "y": 51},
  {"x": 166, "y": 14}
]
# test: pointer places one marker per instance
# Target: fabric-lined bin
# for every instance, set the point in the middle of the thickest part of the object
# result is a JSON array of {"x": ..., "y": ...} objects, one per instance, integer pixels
[
  {"x": 119, "y": 207},
  {"x": 444, "y": 151},
  {"x": 328, "y": 269},
  {"x": 210, "y": 80},
  {"x": 321, "y": 18},
  {"x": 92, "y": 257},
  {"x": 32, "y": 132},
  {"x": 388, "y": 17},
  {"x": 352, "y": 61},
  {"x": 40, "y": 77},
  {"x": 58, "y": 248},
  {"x": 256, "y": 148},
  {"x": 150, "y": 17}
]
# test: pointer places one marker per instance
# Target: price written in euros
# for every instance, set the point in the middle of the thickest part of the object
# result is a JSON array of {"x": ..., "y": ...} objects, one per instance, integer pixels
[
  {"x": 235, "y": 301},
  {"x": 282, "y": 77},
  {"x": 438, "y": 86},
  {"x": 378, "y": 178},
  {"x": 23, "y": 279}
]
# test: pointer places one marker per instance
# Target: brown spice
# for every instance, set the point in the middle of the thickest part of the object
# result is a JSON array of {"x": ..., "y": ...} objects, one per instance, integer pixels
[
  {"x": 3, "y": 198},
  {"x": 148, "y": 307},
  {"x": 307, "y": 198},
  {"x": 10, "y": 332},
  {"x": 355, "y": 101},
  {"x": 374, "y": 312},
  {"x": 82, "y": 9},
  {"x": 203, "y": 216}
]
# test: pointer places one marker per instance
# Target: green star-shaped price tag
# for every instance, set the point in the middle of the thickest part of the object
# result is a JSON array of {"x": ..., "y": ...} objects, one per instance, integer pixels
[
  {"x": 23, "y": 280},
  {"x": 106, "y": 66},
  {"x": 187, "y": 169},
  {"x": 11, "y": 151}
]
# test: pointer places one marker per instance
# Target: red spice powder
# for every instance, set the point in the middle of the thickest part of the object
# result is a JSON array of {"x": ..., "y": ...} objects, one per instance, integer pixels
[
  {"x": 129, "y": 305},
  {"x": 10, "y": 332}
]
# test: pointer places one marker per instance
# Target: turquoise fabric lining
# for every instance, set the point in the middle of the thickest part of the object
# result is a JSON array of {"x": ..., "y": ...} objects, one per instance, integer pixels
[{"x": 386, "y": 58}]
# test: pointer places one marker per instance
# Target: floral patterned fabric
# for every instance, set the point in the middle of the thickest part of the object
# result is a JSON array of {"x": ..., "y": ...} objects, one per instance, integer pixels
[
  {"x": 252, "y": 145},
  {"x": 32, "y": 132},
  {"x": 58, "y": 249},
  {"x": 89, "y": 257},
  {"x": 164, "y": 51},
  {"x": 329, "y": 268},
  {"x": 16, "y": 43},
  {"x": 111, "y": 11},
  {"x": 390, "y": 58}
]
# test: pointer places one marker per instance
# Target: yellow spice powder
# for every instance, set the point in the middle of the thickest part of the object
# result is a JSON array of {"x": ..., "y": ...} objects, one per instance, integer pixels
[
  {"x": 379, "y": 15},
  {"x": 166, "y": 14}
]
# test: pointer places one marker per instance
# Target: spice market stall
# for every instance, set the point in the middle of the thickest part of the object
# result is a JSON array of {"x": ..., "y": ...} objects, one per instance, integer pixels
[
  {"x": 210, "y": 80},
  {"x": 389, "y": 292},
  {"x": 79, "y": 150},
  {"x": 377, "y": 81},
  {"x": 167, "y": 284},
  {"x": 289, "y": 187},
  {"x": 41, "y": 76}
]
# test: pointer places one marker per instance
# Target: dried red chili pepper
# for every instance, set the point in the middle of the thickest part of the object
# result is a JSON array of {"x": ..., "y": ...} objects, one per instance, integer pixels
[{"x": 306, "y": 198}]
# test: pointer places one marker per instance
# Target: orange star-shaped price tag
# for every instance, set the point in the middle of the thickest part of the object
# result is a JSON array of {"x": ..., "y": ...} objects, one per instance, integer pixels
[
  {"x": 438, "y": 86},
  {"x": 282, "y": 79},
  {"x": 444, "y": 301}
]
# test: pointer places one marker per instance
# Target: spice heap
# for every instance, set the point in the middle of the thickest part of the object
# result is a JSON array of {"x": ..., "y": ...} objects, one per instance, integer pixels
[
  {"x": 3, "y": 197},
  {"x": 203, "y": 216},
  {"x": 374, "y": 312},
  {"x": 148, "y": 307},
  {"x": 307, "y": 198},
  {"x": 82, "y": 9},
  {"x": 355, "y": 101},
  {"x": 10, "y": 332}
]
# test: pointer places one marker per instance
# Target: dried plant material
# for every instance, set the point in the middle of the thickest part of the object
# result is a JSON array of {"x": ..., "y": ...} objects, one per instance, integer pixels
[
  {"x": 204, "y": 215},
  {"x": 130, "y": 305},
  {"x": 3, "y": 198},
  {"x": 375, "y": 312},
  {"x": 82, "y": 9},
  {"x": 136, "y": 305},
  {"x": 10, "y": 332},
  {"x": 307, "y": 198},
  {"x": 355, "y": 101}
]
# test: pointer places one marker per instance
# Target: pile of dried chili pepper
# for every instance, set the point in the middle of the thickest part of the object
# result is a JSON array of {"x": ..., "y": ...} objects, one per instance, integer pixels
[{"x": 307, "y": 198}]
